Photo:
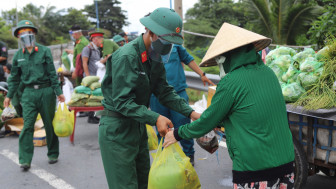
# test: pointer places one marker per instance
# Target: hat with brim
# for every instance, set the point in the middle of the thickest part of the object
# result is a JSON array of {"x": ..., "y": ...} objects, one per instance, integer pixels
[
  {"x": 24, "y": 24},
  {"x": 96, "y": 34},
  {"x": 118, "y": 38},
  {"x": 231, "y": 37},
  {"x": 165, "y": 23}
]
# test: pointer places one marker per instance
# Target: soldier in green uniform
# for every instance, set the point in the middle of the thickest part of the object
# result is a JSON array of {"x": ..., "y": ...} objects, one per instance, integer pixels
[
  {"x": 3, "y": 53},
  {"x": 119, "y": 40},
  {"x": 133, "y": 73},
  {"x": 34, "y": 68},
  {"x": 80, "y": 43}
]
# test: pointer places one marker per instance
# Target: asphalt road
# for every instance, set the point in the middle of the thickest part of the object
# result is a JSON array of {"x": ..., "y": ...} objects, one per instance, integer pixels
[{"x": 80, "y": 165}]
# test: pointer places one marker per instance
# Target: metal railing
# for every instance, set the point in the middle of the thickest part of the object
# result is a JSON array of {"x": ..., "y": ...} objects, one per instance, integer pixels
[{"x": 194, "y": 81}]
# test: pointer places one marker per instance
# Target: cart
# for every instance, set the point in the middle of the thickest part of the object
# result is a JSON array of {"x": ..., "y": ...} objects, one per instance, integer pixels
[{"x": 314, "y": 138}]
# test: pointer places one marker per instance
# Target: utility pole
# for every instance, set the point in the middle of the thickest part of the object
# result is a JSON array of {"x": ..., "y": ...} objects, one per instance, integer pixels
[{"x": 178, "y": 7}]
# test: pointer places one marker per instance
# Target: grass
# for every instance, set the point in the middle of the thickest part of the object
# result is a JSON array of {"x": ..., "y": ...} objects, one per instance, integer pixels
[{"x": 195, "y": 95}]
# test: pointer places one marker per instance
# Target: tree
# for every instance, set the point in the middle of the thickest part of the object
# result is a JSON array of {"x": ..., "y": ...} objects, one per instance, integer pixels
[
  {"x": 6, "y": 35},
  {"x": 325, "y": 25},
  {"x": 207, "y": 16},
  {"x": 111, "y": 17},
  {"x": 282, "y": 20}
]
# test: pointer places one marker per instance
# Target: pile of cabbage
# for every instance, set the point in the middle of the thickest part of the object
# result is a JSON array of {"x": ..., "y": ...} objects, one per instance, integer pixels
[{"x": 296, "y": 72}]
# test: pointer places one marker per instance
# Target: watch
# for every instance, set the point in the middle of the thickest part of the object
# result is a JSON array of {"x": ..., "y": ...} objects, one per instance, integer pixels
[{"x": 203, "y": 74}]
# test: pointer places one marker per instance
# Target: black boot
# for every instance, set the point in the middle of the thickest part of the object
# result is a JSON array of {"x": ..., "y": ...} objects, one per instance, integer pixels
[
  {"x": 83, "y": 114},
  {"x": 192, "y": 160},
  {"x": 92, "y": 119}
]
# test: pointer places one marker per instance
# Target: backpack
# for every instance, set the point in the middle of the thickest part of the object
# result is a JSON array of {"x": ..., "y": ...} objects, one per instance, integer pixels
[{"x": 79, "y": 70}]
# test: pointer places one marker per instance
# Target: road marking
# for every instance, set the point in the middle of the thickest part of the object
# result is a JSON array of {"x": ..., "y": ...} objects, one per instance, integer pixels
[
  {"x": 51, "y": 179},
  {"x": 222, "y": 144}
]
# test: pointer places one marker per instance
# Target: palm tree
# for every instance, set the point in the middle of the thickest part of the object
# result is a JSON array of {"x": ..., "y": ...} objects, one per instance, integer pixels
[{"x": 282, "y": 20}]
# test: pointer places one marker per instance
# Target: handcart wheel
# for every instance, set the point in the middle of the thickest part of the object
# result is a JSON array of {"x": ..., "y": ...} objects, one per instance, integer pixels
[{"x": 300, "y": 165}]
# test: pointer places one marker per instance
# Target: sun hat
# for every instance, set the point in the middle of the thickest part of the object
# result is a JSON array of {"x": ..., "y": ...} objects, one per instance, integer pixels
[
  {"x": 230, "y": 37},
  {"x": 165, "y": 23},
  {"x": 24, "y": 24}
]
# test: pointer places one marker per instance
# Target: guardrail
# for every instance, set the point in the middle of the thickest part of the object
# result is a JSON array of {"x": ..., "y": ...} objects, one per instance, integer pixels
[{"x": 194, "y": 81}]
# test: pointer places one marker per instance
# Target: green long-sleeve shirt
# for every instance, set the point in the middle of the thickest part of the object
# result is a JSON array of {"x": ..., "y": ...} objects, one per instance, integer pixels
[
  {"x": 80, "y": 44},
  {"x": 130, "y": 79},
  {"x": 33, "y": 68},
  {"x": 249, "y": 101}
]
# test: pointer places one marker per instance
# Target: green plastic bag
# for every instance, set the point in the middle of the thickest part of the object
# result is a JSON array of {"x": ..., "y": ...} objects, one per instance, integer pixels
[
  {"x": 307, "y": 80},
  {"x": 82, "y": 89},
  {"x": 66, "y": 60},
  {"x": 152, "y": 138},
  {"x": 97, "y": 92},
  {"x": 63, "y": 122},
  {"x": 277, "y": 71},
  {"x": 88, "y": 80},
  {"x": 291, "y": 72},
  {"x": 278, "y": 52},
  {"x": 302, "y": 56},
  {"x": 322, "y": 54},
  {"x": 171, "y": 169},
  {"x": 95, "y": 85},
  {"x": 292, "y": 92},
  {"x": 283, "y": 62},
  {"x": 310, "y": 65}
]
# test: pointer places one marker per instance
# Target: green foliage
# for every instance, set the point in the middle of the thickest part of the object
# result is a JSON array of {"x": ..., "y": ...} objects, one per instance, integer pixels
[
  {"x": 207, "y": 17},
  {"x": 198, "y": 60},
  {"x": 282, "y": 20},
  {"x": 195, "y": 95},
  {"x": 6, "y": 35},
  {"x": 325, "y": 25},
  {"x": 110, "y": 15}
]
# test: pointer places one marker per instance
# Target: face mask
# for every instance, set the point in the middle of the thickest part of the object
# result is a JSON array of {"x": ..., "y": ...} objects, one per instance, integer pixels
[
  {"x": 27, "y": 39},
  {"x": 72, "y": 38},
  {"x": 160, "y": 49},
  {"x": 220, "y": 61}
]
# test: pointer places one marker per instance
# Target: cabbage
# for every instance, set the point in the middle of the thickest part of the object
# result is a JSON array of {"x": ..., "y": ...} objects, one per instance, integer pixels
[
  {"x": 310, "y": 65},
  {"x": 292, "y": 92},
  {"x": 283, "y": 62}
]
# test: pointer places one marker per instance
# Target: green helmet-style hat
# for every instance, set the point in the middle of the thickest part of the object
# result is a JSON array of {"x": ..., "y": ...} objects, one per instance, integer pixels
[
  {"x": 118, "y": 38},
  {"x": 24, "y": 24},
  {"x": 165, "y": 23}
]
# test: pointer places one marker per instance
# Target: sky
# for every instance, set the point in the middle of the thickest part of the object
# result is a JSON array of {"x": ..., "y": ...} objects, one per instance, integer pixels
[{"x": 136, "y": 9}]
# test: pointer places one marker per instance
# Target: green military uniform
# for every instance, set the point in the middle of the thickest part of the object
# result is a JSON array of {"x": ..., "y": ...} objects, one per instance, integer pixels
[
  {"x": 37, "y": 73},
  {"x": 80, "y": 44},
  {"x": 109, "y": 47},
  {"x": 3, "y": 52},
  {"x": 131, "y": 77}
]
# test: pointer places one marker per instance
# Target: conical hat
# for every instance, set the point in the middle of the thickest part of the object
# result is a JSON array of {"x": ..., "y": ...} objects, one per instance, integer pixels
[{"x": 231, "y": 37}]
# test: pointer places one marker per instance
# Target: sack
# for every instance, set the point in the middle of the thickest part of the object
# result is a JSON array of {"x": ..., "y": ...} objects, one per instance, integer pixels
[
  {"x": 97, "y": 92},
  {"x": 63, "y": 122},
  {"x": 208, "y": 142},
  {"x": 93, "y": 103},
  {"x": 95, "y": 85},
  {"x": 78, "y": 96},
  {"x": 66, "y": 61},
  {"x": 96, "y": 98},
  {"x": 88, "y": 80},
  {"x": 82, "y": 89},
  {"x": 152, "y": 138},
  {"x": 171, "y": 168},
  {"x": 81, "y": 102}
]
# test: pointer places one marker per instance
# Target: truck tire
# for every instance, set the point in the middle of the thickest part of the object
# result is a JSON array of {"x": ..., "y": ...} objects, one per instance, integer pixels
[{"x": 300, "y": 165}]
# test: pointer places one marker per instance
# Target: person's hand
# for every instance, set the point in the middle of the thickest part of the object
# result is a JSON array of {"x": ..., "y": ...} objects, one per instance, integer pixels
[
  {"x": 163, "y": 124},
  {"x": 169, "y": 139},
  {"x": 205, "y": 79},
  {"x": 61, "y": 98},
  {"x": 194, "y": 115},
  {"x": 69, "y": 51},
  {"x": 6, "y": 102},
  {"x": 105, "y": 59}
]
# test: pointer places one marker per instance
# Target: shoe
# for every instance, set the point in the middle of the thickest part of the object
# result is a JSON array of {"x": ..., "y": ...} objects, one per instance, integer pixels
[
  {"x": 52, "y": 161},
  {"x": 2, "y": 134},
  {"x": 192, "y": 160},
  {"x": 83, "y": 114},
  {"x": 25, "y": 167},
  {"x": 93, "y": 120}
]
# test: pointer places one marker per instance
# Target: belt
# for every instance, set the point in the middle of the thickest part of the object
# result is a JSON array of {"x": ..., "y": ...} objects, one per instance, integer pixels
[
  {"x": 40, "y": 86},
  {"x": 109, "y": 113}
]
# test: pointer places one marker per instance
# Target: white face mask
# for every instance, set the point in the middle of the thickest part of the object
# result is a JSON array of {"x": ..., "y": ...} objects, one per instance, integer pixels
[{"x": 220, "y": 61}]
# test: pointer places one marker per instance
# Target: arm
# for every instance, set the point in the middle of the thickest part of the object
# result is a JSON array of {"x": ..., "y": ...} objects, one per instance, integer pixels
[
  {"x": 13, "y": 81},
  {"x": 221, "y": 105},
  {"x": 52, "y": 73},
  {"x": 2, "y": 58},
  {"x": 197, "y": 69}
]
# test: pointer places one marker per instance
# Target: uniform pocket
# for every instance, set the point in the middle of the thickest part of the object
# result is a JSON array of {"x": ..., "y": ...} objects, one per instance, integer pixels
[{"x": 38, "y": 69}]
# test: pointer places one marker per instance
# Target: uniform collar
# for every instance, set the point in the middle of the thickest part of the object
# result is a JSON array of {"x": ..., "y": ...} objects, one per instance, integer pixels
[
  {"x": 35, "y": 49},
  {"x": 142, "y": 48}
]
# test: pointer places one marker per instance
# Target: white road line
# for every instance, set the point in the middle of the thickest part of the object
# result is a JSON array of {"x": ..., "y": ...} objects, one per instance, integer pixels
[{"x": 51, "y": 179}]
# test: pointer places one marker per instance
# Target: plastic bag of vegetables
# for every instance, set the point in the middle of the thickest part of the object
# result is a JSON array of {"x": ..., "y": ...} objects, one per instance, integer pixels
[
  {"x": 82, "y": 89},
  {"x": 63, "y": 122},
  {"x": 283, "y": 62},
  {"x": 277, "y": 71},
  {"x": 301, "y": 56},
  {"x": 322, "y": 54},
  {"x": 278, "y": 52},
  {"x": 307, "y": 80},
  {"x": 152, "y": 138},
  {"x": 292, "y": 91},
  {"x": 171, "y": 169},
  {"x": 310, "y": 65},
  {"x": 291, "y": 73},
  {"x": 66, "y": 60}
]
